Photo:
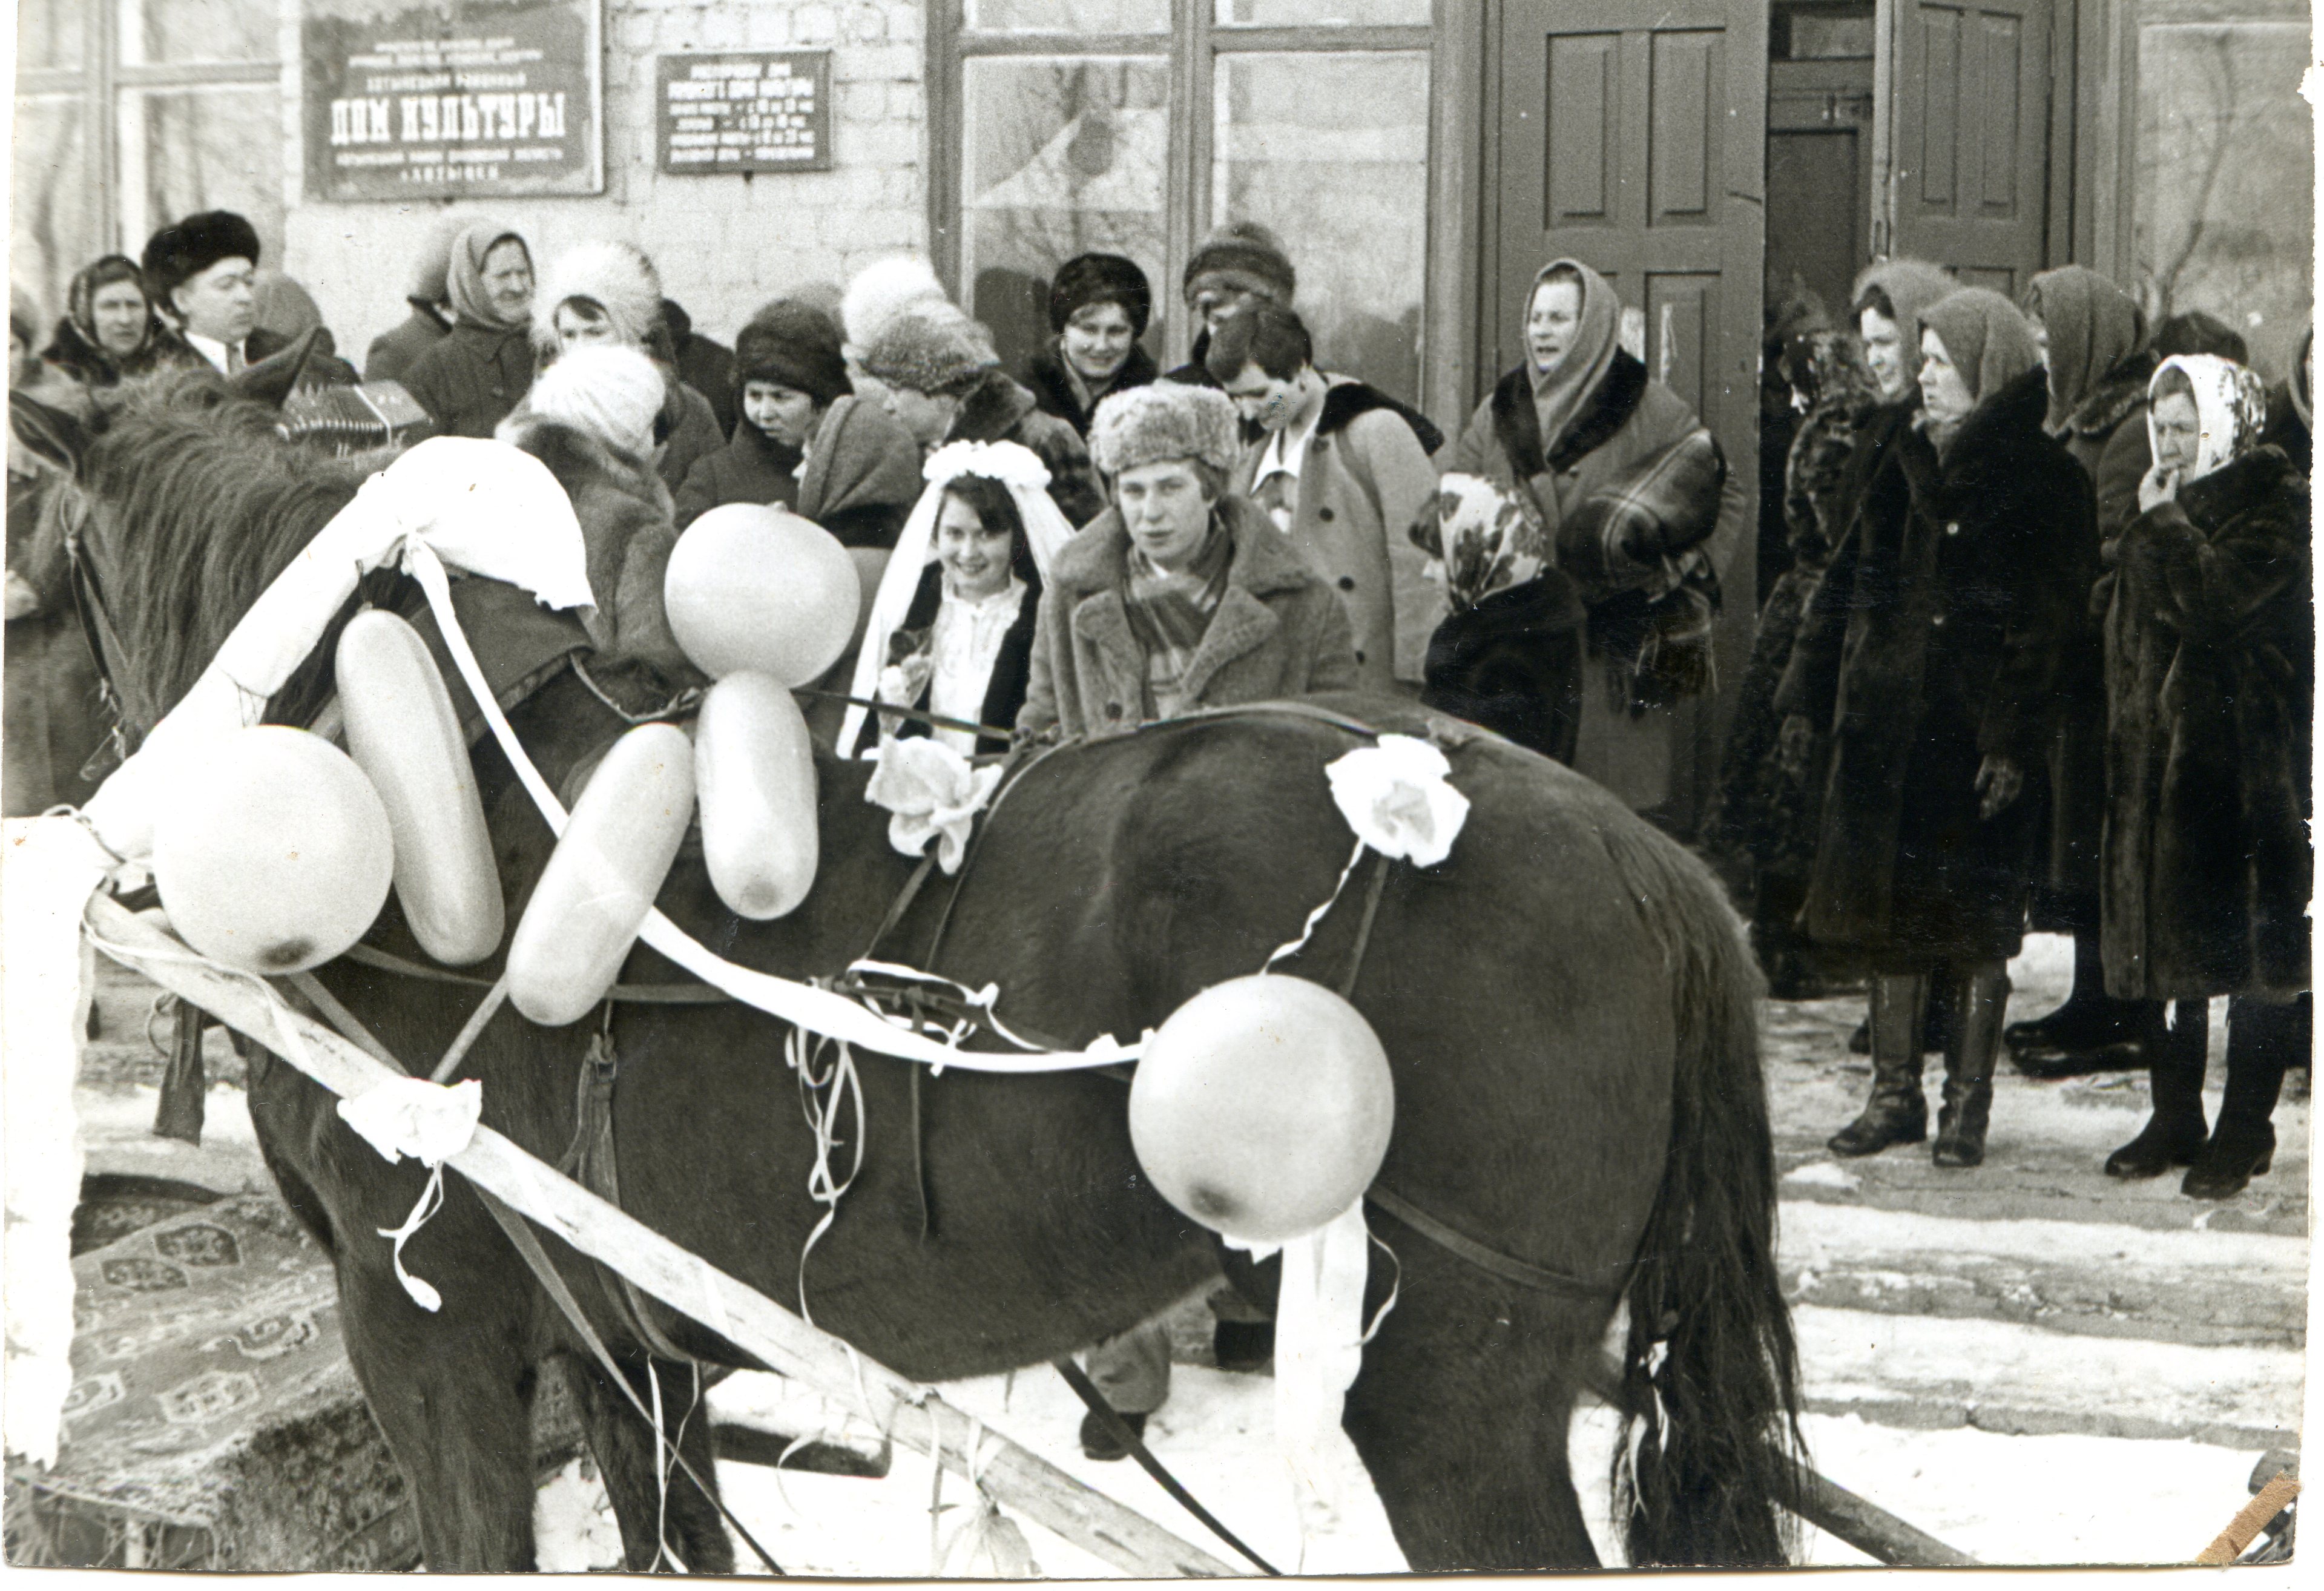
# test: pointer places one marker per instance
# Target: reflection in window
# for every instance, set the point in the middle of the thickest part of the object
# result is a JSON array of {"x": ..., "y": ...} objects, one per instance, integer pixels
[
  {"x": 1063, "y": 156},
  {"x": 1330, "y": 154},
  {"x": 184, "y": 150},
  {"x": 1069, "y": 17},
  {"x": 1308, "y": 13},
  {"x": 54, "y": 211}
]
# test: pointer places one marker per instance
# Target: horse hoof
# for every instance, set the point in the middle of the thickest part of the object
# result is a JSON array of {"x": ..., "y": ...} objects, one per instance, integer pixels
[{"x": 1098, "y": 1439}]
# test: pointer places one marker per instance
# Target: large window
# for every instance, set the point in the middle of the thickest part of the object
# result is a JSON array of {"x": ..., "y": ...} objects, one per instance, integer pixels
[
  {"x": 131, "y": 113},
  {"x": 1138, "y": 127}
]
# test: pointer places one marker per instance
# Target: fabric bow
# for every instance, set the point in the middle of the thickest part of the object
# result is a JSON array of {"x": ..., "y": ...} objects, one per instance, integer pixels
[
  {"x": 1397, "y": 798},
  {"x": 933, "y": 793},
  {"x": 430, "y": 1123}
]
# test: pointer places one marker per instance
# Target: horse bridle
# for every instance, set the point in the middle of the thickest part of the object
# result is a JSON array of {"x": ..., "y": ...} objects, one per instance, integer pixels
[{"x": 97, "y": 629}]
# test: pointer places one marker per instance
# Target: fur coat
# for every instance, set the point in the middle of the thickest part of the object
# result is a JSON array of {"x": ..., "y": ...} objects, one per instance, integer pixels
[
  {"x": 2210, "y": 681},
  {"x": 1055, "y": 391},
  {"x": 1931, "y": 644}
]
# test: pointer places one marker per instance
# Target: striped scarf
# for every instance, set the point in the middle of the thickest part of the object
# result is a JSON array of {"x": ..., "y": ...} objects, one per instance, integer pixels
[{"x": 1170, "y": 612}]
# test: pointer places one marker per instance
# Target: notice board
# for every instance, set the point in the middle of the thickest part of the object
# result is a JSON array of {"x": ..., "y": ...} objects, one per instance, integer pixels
[
  {"x": 758, "y": 110},
  {"x": 451, "y": 98}
]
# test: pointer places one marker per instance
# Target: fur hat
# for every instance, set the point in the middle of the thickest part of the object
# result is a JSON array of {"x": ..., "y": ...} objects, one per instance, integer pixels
[
  {"x": 1243, "y": 256},
  {"x": 617, "y": 276},
  {"x": 1101, "y": 278},
  {"x": 185, "y": 249},
  {"x": 929, "y": 347},
  {"x": 877, "y": 293},
  {"x": 792, "y": 344},
  {"x": 612, "y": 394},
  {"x": 1149, "y": 424}
]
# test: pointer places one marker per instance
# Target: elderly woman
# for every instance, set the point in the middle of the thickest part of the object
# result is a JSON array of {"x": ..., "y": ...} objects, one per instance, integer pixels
[
  {"x": 2210, "y": 683},
  {"x": 1178, "y": 596},
  {"x": 109, "y": 329},
  {"x": 481, "y": 369},
  {"x": 1929, "y": 650},
  {"x": 1098, "y": 306},
  {"x": 611, "y": 293}
]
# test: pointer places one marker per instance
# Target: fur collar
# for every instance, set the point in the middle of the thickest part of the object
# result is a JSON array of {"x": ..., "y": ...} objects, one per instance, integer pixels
[
  {"x": 990, "y": 409},
  {"x": 1346, "y": 399},
  {"x": 1097, "y": 559},
  {"x": 1053, "y": 388},
  {"x": 2120, "y": 393},
  {"x": 1998, "y": 449},
  {"x": 1610, "y": 407},
  {"x": 2261, "y": 479}
]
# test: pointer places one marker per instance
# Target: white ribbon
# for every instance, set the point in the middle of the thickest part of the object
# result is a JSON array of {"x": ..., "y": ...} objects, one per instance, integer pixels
[
  {"x": 431, "y": 1123},
  {"x": 933, "y": 793}
]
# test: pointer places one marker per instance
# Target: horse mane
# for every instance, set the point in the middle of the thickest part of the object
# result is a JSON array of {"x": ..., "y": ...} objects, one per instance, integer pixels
[{"x": 207, "y": 503}]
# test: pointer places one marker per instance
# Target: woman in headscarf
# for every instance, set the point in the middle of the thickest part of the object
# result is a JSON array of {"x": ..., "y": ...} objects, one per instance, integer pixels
[
  {"x": 2092, "y": 334},
  {"x": 2210, "y": 685},
  {"x": 481, "y": 369},
  {"x": 1569, "y": 430},
  {"x": 109, "y": 329},
  {"x": 1929, "y": 653},
  {"x": 611, "y": 293}
]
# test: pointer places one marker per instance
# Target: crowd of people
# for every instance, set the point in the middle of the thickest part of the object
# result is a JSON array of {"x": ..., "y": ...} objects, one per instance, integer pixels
[{"x": 2040, "y": 653}]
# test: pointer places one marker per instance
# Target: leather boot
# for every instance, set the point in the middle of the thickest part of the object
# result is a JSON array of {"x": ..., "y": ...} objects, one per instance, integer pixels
[
  {"x": 1975, "y": 1046},
  {"x": 2175, "y": 1131},
  {"x": 2092, "y": 1032},
  {"x": 2263, "y": 1039},
  {"x": 1897, "y": 1112}
]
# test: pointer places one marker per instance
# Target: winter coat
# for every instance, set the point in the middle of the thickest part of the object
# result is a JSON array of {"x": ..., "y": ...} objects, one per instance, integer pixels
[
  {"x": 52, "y": 717},
  {"x": 997, "y": 409},
  {"x": 752, "y": 467},
  {"x": 1053, "y": 390},
  {"x": 73, "y": 356},
  {"x": 1628, "y": 419},
  {"x": 1931, "y": 644},
  {"x": 862, "y": 474},
  {"x": 1012, "y": 665},
  {"x": 707, "y": 366},
  {"x": 1279, "y": 630},
  {"x": 470, "y": 380},
  {"x": 1365, "y": 479},
  {"x": 393, "y": 353},
  {"x": 690, "y": 431},
  {"x": 2210, "y": 683}
]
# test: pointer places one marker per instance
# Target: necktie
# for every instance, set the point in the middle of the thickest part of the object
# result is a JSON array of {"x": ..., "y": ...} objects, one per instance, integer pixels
[{"x": 234, "y": 362}]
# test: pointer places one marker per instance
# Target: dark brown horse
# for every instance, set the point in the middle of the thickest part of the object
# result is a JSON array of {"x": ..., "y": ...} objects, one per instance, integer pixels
[{"x": 1566, "y": 1002}]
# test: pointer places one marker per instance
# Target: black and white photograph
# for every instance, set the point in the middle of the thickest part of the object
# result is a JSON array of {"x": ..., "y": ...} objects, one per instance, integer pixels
[{"x": 923, "y": 790}]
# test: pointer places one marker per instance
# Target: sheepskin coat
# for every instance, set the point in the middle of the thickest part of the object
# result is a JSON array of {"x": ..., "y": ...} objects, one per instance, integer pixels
[
  {"x": 1279, "y": 630},
  {"x": 1931, "y": 644},
  {"x": 2210, "y": 681}
]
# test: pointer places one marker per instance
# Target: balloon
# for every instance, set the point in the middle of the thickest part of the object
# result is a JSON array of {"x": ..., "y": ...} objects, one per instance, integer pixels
[
  {"x": 755, "y": 587},
  {"x": 403, "y": 733},
  {"x": 870, "y": 567},
  {"x": 273, "y": 853},
  {"x": 602, "y": 879},
  {"x": 1262, "y": 1107},
  {"x": 755, "y": 768}
]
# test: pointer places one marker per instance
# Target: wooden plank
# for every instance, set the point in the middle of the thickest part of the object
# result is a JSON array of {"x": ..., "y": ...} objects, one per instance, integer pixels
[{"x": 913, "y": 1414}]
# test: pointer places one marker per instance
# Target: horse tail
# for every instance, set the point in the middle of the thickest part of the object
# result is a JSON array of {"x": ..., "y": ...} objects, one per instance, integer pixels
[{"x": 1709, "y": 1369}]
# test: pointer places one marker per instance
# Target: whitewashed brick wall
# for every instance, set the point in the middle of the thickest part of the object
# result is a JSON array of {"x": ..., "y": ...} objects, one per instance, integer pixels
[{"x": 725, "y": 243}]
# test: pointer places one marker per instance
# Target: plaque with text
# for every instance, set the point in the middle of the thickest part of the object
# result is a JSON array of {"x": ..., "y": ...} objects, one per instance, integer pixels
[{"x": 757, "y": 110}]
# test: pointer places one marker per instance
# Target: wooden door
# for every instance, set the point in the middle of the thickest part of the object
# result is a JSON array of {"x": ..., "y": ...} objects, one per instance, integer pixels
[
  {"x": 1632, "y": 135},
  {"x": 1972, "y": 142}
]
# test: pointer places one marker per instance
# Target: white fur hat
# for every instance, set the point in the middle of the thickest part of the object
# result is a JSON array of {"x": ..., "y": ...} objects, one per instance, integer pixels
[
  {"x": 618, "y": 276},
  {"x": 877, "y": 293},
  {"x": 1163, "y": 421},
  {"x": 612, "y": 394}
]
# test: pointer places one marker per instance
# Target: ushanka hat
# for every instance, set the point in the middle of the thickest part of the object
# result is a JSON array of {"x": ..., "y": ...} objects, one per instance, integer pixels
[
  {"x": 1166, "y": 420},
  {"x": 1243, "y": 256},
  {"x": 883, "y": 289},
  {"x": 929, "y": 347},
  {"x": 792, "y": 344},
  {"x": 1101, "y": 278},
  {"x": 185, "y": 249}
]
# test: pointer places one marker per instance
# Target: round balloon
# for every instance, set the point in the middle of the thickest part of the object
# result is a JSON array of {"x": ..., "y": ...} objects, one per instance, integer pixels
[
  {"x": 1262, "y": 1107},
  {"x": 274, "y": 855},
  {"x": 756, "y": 586}
]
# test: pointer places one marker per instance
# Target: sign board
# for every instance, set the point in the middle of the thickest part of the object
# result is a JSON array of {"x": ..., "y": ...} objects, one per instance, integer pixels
[
  {"x": 451, "y": 98},
  {"x": 762, "y": 110}
]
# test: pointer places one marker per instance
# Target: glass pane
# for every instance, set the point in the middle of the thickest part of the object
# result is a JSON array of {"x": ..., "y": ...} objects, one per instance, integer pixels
[
  {"x": 53, "y": 225},
  {"x": 1061, "y": 157},
  {"x": 1310, "y": 13},
  {"x": 49, "y": 33},
  {"x": 2223, "y": 138},
  {"x": 184, "y": 150},
  {"x": 1331, "y": 152},
  {"x": 1070, "y": 16},
  {"x": 156, "y": 33}
]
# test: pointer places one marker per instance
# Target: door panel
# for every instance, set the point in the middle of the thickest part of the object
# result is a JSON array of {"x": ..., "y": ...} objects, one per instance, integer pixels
[{"x": 1973, "y": 137}]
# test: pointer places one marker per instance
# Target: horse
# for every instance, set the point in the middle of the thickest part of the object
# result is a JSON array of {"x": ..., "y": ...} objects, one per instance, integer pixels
[{"x": 1567, "y": 1002}]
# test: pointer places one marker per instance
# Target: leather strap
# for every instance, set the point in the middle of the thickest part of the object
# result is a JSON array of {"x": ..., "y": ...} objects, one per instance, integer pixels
[
  {"x": 620, "y": 994},
  {"x": 1463, "y": 1246}
]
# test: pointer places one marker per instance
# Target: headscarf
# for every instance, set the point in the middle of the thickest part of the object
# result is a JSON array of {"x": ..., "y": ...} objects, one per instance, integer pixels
[
  {"x": 80, "y": 300},
  {"x": 1910, "y": 286},
  {"x": 472, "y": 305},
  {"x": 2230, "y": 409},
  {"x": 1558, "y": 393},
  {"x": 1985, "y": 337},
  {"x": 285, "y": 307},
  {"x": 2092, "y": 325}
]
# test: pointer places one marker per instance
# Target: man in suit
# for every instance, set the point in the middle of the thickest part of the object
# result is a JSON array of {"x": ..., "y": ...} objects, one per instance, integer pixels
[{"x": 199, "y": 274}]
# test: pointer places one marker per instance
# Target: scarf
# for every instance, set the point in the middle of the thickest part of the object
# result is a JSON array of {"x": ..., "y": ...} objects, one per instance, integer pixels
[
  {"x": 1169, "y": 613},
  {"x": 1910, "y": 286},
  {"x": 1989, "y": 342},
  {"x": 2093, "y": 326},
  {"x": 1560, "y": 391},
  {"x": 472, "y": 303},
  {"x": 80, "y": 303},
  {"x": 2230, "y": 406}
]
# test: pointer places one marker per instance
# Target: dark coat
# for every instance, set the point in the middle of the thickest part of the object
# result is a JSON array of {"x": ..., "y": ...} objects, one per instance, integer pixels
[
  {"x": 752, "y": 467},
  {"x": 1012, "y": 665},
  {"x": 708, "y": 367},
  {"x": 392, "y": 352},
  {"x": 1931, "y": 644},
  {"x": 1053, "y": 387},
  {"x": 999, "y": 409},
  {"x": 52, "y": 716},
  {"x": 470, "y": 380},
  {"x": 2210, "y": 674}
]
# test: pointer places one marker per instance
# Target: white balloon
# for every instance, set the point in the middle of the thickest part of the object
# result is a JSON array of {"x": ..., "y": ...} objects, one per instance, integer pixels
[{"x": 755, "y": 587}]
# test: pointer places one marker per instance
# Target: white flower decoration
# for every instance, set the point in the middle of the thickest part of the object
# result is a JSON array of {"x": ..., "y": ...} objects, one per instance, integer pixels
[
  {"x": 1396, "y": 796},
  {"x": 1012, "y": 464},
  {"x": 933, "y": 793},
  {"x": 413, "y": 1116}
]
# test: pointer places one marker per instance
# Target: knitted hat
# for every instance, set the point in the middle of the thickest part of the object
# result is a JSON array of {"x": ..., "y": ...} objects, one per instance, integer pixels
[
  {"x": 187, "y": 248},
  {"x": 883, "y": 289},
  {"x": 1101, "y": 278},
  {"x": 1243, "y": 256},
  {"x": 612, "y": 394},
  {"x": 1150, "y": 424},
  {"x": 929, "y": 347},
  {"x": 617, "y": 277},
  {"x": 795, "y": 346}
]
